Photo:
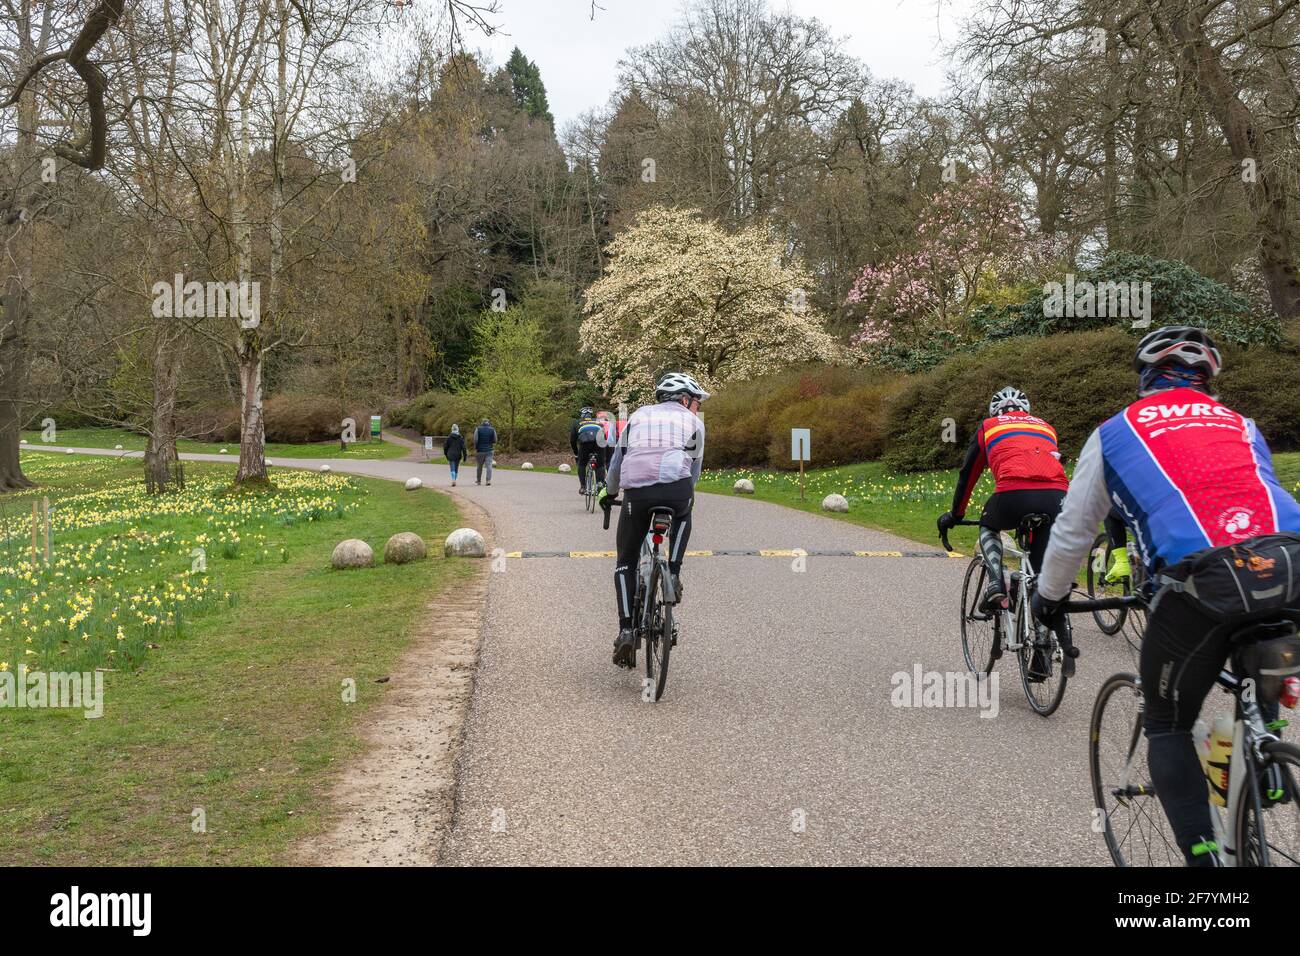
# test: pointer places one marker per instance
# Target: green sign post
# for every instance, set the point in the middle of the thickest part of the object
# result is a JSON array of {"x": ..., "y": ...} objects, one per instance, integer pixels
[{"x": 374, "y": 427}]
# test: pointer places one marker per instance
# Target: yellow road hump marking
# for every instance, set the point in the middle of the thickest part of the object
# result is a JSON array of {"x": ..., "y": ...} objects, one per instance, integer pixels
[
  {"x": 592, "y": 554},
  {"x": 777, "y": 554},
  {"x": 699, "y": 554},
  {"x": 514, "y": 554},
  {"x": 879, "y": 554}
]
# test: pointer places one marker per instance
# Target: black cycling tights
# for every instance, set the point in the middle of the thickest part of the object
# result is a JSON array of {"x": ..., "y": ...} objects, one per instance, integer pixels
[
  {"x": 634, "y": 523},
  {"x": 585, "y": 450},
  {"x": 1116, "y": 532},
  {"x": 1182, "y": 655},
  {"x": 1004, "y": 511}
]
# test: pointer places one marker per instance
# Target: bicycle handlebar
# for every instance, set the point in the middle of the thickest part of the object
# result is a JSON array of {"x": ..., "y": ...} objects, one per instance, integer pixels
[
  {"x": 1102, "y": 604},
  {"x": 608, "y": 504},
  {"x": 943, "y": 535}
]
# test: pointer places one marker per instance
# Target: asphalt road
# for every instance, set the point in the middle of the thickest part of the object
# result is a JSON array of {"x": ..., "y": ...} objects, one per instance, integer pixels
[{"x": 776, "y": 741}]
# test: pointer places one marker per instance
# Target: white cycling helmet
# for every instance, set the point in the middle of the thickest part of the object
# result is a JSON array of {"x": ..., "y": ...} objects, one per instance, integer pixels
[
  {"x": 1009, "y": 399},
  {"x": 1184, "y": 344},
  {"x": 675, "y": 384}
]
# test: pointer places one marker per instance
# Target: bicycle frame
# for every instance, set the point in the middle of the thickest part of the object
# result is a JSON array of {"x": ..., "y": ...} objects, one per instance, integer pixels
[
  {"x": 1249, "y": 734},
  {"x": 651, "y": 557}
]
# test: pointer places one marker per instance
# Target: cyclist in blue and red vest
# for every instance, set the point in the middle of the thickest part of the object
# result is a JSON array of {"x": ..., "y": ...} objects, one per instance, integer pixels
[
  {"x": 1020, "y": 449},
  {"x": 1187, "y": 474}
]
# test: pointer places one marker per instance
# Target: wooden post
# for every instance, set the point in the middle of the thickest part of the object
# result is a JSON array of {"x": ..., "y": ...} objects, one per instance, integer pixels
[
  {"x": 45, "y": 504},
  {"x": 801, "y": 470},
  {"x": 34, "y": 527}
]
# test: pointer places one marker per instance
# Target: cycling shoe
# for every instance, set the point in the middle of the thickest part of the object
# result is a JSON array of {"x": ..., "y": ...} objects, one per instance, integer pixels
[{"x": 625, "y": 649}]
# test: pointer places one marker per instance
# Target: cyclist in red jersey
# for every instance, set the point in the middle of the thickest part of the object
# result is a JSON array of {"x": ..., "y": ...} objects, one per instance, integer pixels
[{"x": 1020, "y": 449}]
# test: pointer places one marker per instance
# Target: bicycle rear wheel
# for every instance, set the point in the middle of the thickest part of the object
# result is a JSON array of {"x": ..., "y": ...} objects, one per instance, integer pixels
[
  {"x": 658, "y": 631},
  {"x": 1040, "y": 657},
  {"x": 980, "y": 630},
  {"x": 1125, "y": 808},
  {"x": 1268, "y": 817},
  {"x": 1099, "y": 588}
]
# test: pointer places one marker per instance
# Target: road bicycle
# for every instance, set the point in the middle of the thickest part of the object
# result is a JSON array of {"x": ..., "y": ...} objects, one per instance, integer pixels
[
  {"x": 985, "y": 634},
  {"x": 1099, "y": 589},
  {"x": 590, "y": 490},
  {"x": 653, "y": 604},
  {"x": 1260, "y": 824}
]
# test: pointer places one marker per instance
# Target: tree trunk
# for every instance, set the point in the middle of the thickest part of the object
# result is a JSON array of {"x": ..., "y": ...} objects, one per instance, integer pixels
[
  {"x": 13, "y": 378},
  {"x": 160, "y": 456},
  {"x": 1266, "y": 195},
  {"x": 252, "y": 427},
  {"x": 248, "y": 347}
]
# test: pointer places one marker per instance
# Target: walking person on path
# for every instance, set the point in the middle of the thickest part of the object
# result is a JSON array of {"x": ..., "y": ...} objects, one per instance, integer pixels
[
  {"x": 454, "y": 449},
  {"x": 485, "y": 439}
]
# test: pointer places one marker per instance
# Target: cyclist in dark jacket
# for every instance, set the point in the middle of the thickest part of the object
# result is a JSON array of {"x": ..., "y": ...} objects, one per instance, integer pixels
[
  {"x": 485, "y": 439},
  {"x": 454, "y": 449},
  {"x": 587, "y": 438}
]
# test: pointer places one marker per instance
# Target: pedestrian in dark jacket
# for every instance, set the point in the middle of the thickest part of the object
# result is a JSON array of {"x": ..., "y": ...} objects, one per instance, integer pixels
[
  {"x": 454, "y": 449},
  {"x": 485, "y": 439}
]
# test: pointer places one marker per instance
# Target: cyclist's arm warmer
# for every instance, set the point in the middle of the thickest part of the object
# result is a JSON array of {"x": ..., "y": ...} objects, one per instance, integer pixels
[
  {"x": 611, "y": 473},
  {"x": 1086, "y": 504},
  {"x": 971, "y": 469},
  {"x": 696, "y": 448}
]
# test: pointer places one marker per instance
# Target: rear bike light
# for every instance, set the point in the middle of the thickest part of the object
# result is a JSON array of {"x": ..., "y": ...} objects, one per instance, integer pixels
[
  {"x": 659, "y": 539},
  {"x": 1290, "y": 695}
]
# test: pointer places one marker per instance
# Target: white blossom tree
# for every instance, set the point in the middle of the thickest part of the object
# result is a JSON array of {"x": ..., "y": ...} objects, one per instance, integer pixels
[{"x": 682, "y": 293}]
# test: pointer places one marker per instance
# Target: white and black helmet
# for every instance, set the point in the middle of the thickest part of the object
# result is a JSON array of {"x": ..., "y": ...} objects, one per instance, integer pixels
[
  {"x": 675, "y": 384},
  {"x": 1009, "y": 399},
  {"x": 1184, "y": 344}
]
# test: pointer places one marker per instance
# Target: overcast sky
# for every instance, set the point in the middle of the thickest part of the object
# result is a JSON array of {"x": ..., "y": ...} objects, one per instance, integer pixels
[{"x": 578, "y": 57}]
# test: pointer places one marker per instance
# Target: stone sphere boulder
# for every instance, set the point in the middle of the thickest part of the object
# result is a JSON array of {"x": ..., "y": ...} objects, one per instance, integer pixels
[
  {"x": 413, "y": 483},
  {"x": 404, "y": 547},
  {"x": 117, "y": 448},
  {"x": 324, "y": 467},
  {"x": 69, "y": 451},
  {"x": 564, "y": 467},
  {"x": 352, "y": 553},
  {"x": 835, "y": 503},
  {"x": 527, "y": 466},
  {"x": 222, "y": 452},
  {"x": 465, "y": 543},
  {"x": 743, "y": 486}
]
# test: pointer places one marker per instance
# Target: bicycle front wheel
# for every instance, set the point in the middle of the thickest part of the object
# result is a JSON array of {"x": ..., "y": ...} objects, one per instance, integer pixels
[
  {"x": 1109, "y": 622},
  {"x": 980, "y": 630},
  {"x": 658, "y": 635},
  {"x": 1125, "y": 809},
  {"x": 1040, "y": 656},
  {"x": 1268, "y": 815}
]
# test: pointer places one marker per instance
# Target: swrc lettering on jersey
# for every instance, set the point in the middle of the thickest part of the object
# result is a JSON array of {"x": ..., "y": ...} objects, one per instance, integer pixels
[{"x": 1161, "y": 411}]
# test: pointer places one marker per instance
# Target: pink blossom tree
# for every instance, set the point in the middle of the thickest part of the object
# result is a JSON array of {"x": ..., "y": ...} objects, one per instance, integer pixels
[{"x": 971, "y": 237}]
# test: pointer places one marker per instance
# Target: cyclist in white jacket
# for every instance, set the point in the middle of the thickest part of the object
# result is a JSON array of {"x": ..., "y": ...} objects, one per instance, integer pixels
[{"x": 656, "y": 464}]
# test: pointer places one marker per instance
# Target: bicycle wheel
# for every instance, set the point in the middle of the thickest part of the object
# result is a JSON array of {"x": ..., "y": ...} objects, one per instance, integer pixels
[
  {"x": 1125, "y": 808},
  {"x": 658, "y": 635},
  {"x": 1099, "y": 588},
  {"x": 1040, "y": 657},
  {"x": 1268, "y": 815},
  {"x": 980, "y": 630}
]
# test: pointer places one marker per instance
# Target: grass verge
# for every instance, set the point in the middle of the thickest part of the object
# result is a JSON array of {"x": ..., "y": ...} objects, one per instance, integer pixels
[
  {"x": 237, "y": 716},
  {"x": 905, "y": 504}
]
